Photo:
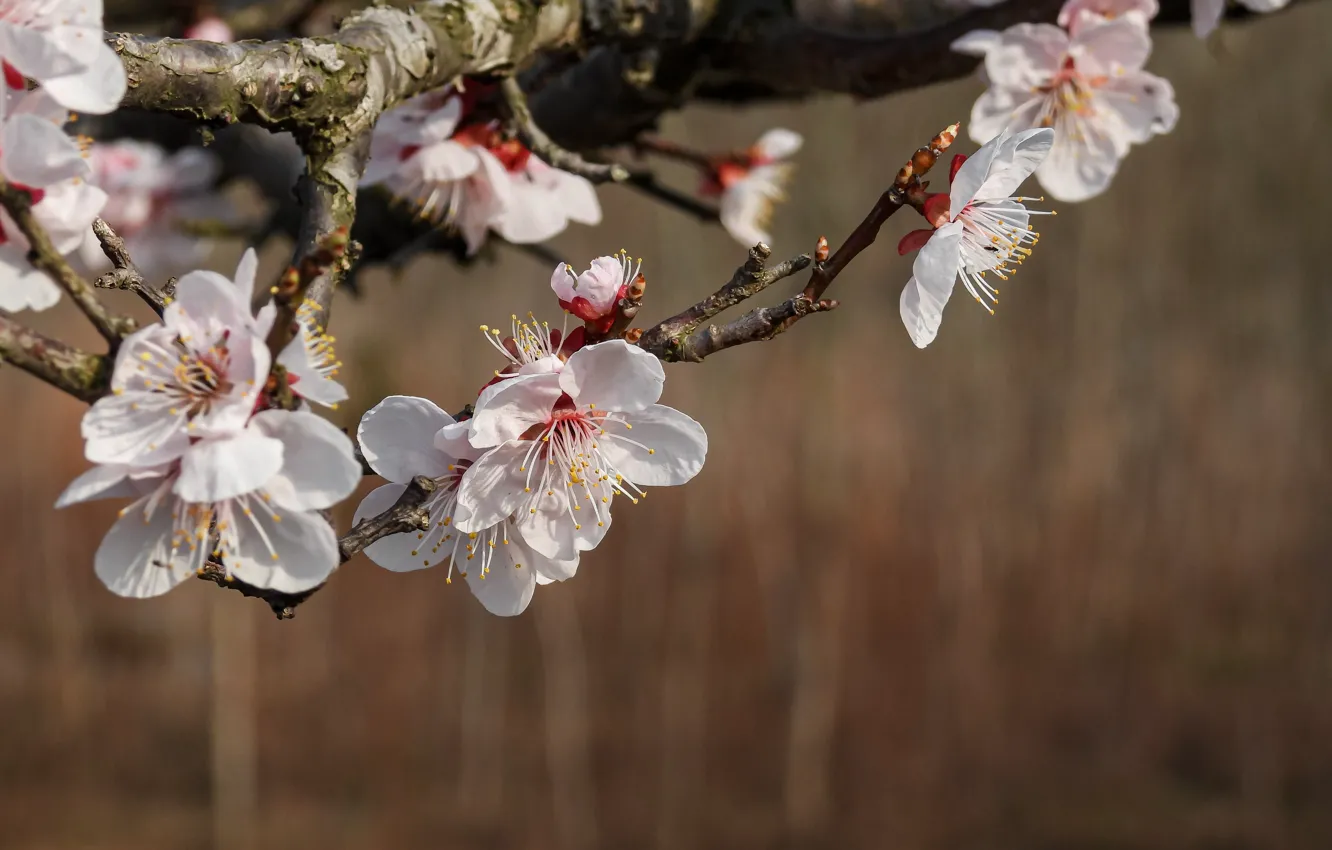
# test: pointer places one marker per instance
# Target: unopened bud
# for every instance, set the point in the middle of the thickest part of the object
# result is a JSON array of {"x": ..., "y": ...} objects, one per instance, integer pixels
[
  {"x": 821, "y": 249},
  {"x": 633, "y": 335}
]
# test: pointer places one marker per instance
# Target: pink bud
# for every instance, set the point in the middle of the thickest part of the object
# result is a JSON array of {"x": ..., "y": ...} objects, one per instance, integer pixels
[{"x": 211, "y": 28}]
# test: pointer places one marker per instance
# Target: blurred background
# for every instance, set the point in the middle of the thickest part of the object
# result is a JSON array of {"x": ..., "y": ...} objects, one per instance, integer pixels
[{"x": 1061, "y": 581}]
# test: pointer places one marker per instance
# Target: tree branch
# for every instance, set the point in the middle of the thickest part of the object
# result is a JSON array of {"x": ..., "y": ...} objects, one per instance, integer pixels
[
  {"x": 124, "y": 273},
  {"x": 84, "y": 376},
  {"x": 540, "y": 144},
  {"x": 404, "y": 517},
  {"x": 44, "y": 256}
]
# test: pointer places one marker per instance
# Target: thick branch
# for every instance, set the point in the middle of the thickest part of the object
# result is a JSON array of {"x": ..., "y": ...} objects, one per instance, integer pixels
[
  {"x": 44, "y": 256},
  {"x": 64, "y": 367}
]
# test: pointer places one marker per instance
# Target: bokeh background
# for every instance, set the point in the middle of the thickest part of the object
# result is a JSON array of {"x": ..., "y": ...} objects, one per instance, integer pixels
[{"x": 1061, "y": 581}]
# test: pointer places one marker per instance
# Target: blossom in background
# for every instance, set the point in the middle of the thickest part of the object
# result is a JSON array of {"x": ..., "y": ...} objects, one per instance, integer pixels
[
  {"x": 37, "y": 155},
  {"x": 152, "y": 194},
  {"x": 247, "y": 498},
  {"x": 59, "y": 44},
  {"x": 592, "y": 295},
  {"x": 210, "y": 27},
  {"x": 1077, "y": 13},
  {"x": 559, "y": 447},
  {"x": 197, "y": 374},
  {"x": 980, "y": 227},
  {"x": 402, "y": 437},
  {"x": 1089, "y": 87},
  {"x": 469, "y": 178},
  {"x": 1207, "y": 13},
  {"x": 750, "y": 184}
]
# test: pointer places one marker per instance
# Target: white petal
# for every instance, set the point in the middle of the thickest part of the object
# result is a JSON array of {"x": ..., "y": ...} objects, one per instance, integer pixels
[
  {"x": 445, "y": 162},
  {"x": 534, "y": 215},
  {"x": 971, "y": 176},
  {"x": 136, "y": 560},
  {"x": 1027, "y": 57},
  {"x": 579, "y": 198},
  {"x": 23, "y": 287},
  {"x": 104, "y": 481},
  {"x": 679, "y": 446},
  {"x": 310, "y": 383},
  {"x": 613, "y": 375},
  {"x": 1206, "y": 16},
  {"x": 1110, "y": 47},
  {"x": 745, "y": 207},
  {"x": 246, "y": 270},
  {"x": 934, "y": 274},
  {"x": 547, "y": 524},
  {"x": 96, "y": 90},
  {"x": 398, "y": 552},
  {"x": 67, "y": 213},
  {"x": 505, "y": 590},
  {"x": 1265, "y": 5},
  {"x": 507, "y": 409},
  {"x": 206, "y": 294},
  {"x": 397, "y": 438},
  {"x": 37, "y": 153},
  {"x": 299, "y": 552},
  {"x": 778, "y": 143},
  {"x": 1079, "y": 169},
  {"x": 492, "y": 487},
  {"x": 994, "y": 111},
  {"x": 1019, "y": 156},
  {"x": 1143, "y": 102},
  {"x": 40, "y": 53},
  {"x": 319, "y": 467},
  {"x": 976, "y": 42},
  {"x": 217, "y": 469},
  {"x": 453, "y": 441}
]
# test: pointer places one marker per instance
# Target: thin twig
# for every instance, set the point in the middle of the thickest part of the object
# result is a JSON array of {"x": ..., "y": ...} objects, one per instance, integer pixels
[
  {"x": 545, "y": 148},
  {"x": 889, "y": 202},
  {"x": 43, "y": 255},
  {"x": 124, "y": 274},
  {"x": 404, "y": 517},
  {"x": 79, "y": 373},
  {"x": 647, "y": 183}
]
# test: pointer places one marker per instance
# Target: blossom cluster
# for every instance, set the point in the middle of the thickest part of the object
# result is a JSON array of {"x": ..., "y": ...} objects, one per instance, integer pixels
[{"x": 527, "y": 483}]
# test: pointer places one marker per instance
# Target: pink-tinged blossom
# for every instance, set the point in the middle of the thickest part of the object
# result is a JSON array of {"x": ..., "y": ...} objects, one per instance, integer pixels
[
  {"x": 37, "y": 155},
  {"x": 152, "y": 196},
  {"x": 533, "y": 347},
  {"x": 466, "y": 177},
  {"x": 1207, "y": 14},
  {"x": 247, "y": 499},
  {"x": 750, "y": 184},
  {"x": 211, "y": 28},
  {"x": 980, "y": 228},
  {"x": 402, "y": 437},
  {"x": 1089, "y": 87},
  {"x": 59, "y": 44},
  {"x": 1078, "y": 13},
  {"x": 592, "y": 295},
  {"x": 560, "y": 446},
  {"x": 196, "y": 375}
]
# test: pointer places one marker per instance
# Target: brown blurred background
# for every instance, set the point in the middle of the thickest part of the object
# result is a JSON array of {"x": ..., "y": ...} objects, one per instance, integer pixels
[{"x": 1059, "y": 582}]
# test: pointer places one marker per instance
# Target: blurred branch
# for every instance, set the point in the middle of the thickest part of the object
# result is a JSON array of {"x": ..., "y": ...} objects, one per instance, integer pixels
[
  {"x": 540, "y": 144},
  {"x": 124, "y": 273},
  {"x": 79, "y": 373},
  {"x": 44, "y": 256},
  {"x": 404, "y": 517}
]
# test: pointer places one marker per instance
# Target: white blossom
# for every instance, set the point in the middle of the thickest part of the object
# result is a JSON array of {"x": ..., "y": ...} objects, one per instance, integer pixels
[
  {"x": 402, "y": 437},
  {"x": 247, "y": 499},
  {"x": 751, "y": 184},
  {"x": 468, "y": 178},
  {"x": 59, "y": 44},
  {"x": 592, "y": 295},
  {"x": 980, "y": 228},
  {"x": 36, "y": 155},
  {"x": 153, "y": 195},
  {"x": 1207, "y": 13},
  {"x": 560, "y": 448},
  {"x": 1077, "y": 13},
  {"x": 1089, "y": 87}
]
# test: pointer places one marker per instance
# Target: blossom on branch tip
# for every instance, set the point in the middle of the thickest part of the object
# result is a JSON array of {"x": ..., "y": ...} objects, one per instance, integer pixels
[
  {"x": 248, "y": 499},
  {"x": 750, "y": 183},
  {"x": 59, "y": 44},
  {"x": 468, "y": 178},
  {"x": 593, "y": 295},
  {"x": 403, "y": 437},
  {"x": 1077, "y": 13},
  {"x": 196, "y": 375},
  {"x": 1088, "y": 87},
  {"x": 560, "y": 446},
  {"x": 153, "y": 196},
  {"x": 980, "y": 227},
  {"x": 1207, "y": 13},
  {"x": 36, "y": 155}
]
